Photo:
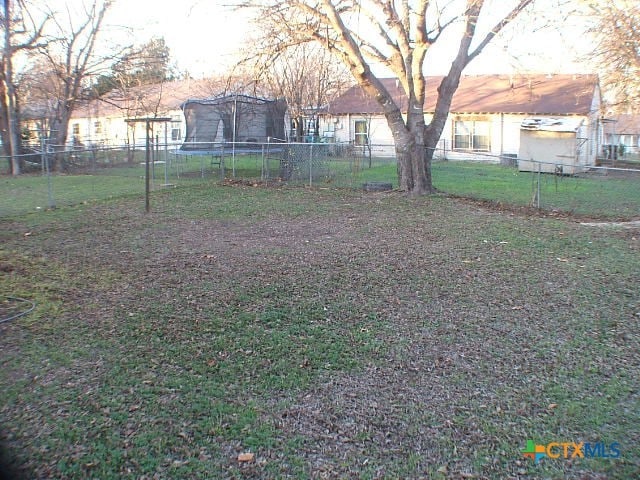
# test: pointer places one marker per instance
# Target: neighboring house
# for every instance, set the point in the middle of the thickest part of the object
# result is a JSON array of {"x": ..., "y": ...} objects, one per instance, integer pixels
[
  {"x": 623, "y": 129},
  {"x": 102, "y": 121},
  {"x": 486, "y": 116}
]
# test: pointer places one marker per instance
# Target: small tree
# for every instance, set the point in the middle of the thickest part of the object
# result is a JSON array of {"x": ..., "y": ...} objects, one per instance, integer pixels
[
  {"x": 135, "y": 82},
  {"x": 397, "y": 36},
  {"x": 147, "y": 64}
]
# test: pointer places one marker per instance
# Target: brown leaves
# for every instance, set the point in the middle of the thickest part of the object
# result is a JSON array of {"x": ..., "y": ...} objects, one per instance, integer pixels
[{"x": 246, "y": 457}]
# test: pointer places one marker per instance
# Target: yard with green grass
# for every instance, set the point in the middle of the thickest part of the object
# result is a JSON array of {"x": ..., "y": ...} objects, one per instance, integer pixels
[
  {"x": 607, "y": 194},
  {"x": 265, "y": 332}
]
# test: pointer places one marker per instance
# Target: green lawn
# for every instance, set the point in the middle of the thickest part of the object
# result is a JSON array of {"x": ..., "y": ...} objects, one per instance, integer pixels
[
  {"x": 32, "y": 192},
  {"x": 615, "y": 196},
  {"x": 329, "y": 333},
  {"x": 611, "y": 195}
]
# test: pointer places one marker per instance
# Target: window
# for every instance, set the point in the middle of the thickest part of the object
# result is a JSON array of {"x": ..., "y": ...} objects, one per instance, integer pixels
[
  {"x": 176, "y": 132},
  {"x": 472, "y": 134},
  {"x": 76, "y": 129},
  {"x": 311, "y": 126},
  {"x": 97, "y": 128},
  {"x": 361, "y": 134}
]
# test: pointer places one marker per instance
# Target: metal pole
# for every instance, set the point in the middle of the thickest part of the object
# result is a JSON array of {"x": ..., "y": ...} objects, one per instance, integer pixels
[
  {"x": 166, "y": 156},
  {"x": 311, "y": 165},
  {"x": 268, "y": 154},
  {"x": 222, "y": 173},
  {"x": 154, "y": 156},
  {"x": 538, "y": 192},
  {"x": 233, "y": 145},
  {"x": 147, "y": 155},
  {"x": 45, "y": 159}
]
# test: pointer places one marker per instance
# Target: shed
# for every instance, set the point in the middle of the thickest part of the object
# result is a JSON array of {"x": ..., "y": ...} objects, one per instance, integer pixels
[{"x": 554, "y": 145}]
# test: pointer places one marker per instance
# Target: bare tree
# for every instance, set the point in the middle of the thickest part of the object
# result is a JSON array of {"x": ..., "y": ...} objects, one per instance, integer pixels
[
  {"x": 395, "y": 35},
  {"x": 39, "y": 87},
  {"x": 21, "y": 34},
  {"x": 617, "y": 55},
  {"x": 144, "y": 100},
  {"x": 73, "y": 61},
  {"x": 307, "y": 76}
]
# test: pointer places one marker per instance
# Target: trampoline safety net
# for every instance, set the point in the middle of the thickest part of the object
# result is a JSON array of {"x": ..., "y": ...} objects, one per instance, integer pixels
[{"x": 232, "y": 118}]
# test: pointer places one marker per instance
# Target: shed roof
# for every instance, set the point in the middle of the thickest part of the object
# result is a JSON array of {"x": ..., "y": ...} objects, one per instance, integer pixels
[
  {"x": 564, "y": 124},
  {"x": 530, "y": 94}
]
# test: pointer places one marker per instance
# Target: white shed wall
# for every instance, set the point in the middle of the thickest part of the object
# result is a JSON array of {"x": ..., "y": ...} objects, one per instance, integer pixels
[{"x": 549, "y": 152}]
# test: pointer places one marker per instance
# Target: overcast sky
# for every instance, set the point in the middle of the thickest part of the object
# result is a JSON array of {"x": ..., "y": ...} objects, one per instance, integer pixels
[{"x": 204, "y": 36}]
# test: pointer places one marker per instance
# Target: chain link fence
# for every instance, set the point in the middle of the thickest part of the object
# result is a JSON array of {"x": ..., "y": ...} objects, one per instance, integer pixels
[
  {"x": 590, "y": 191},
  {"x": 55, "y": 177}
]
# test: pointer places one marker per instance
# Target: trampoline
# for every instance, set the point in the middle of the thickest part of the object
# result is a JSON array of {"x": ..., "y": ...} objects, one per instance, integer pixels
[
  {"x": 235, "y": 119},
  {"x": 230, "y": 125}
]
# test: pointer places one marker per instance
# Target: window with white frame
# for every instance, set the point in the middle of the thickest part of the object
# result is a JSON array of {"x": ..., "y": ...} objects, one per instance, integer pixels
[
  {"x": 361, "y": 137},
  {"x": 472, "y": 134},
  {"x": 176, "y": 132},
  {"x": 76, "y": 129},
  {"x": 97, "y": 128}
]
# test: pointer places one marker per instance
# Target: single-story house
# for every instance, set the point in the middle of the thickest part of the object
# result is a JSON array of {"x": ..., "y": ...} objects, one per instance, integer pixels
[
  {"x": 623, "y": 129},
  {"x": 102, "y": 121},
  {"x": 486, "y": 116}
]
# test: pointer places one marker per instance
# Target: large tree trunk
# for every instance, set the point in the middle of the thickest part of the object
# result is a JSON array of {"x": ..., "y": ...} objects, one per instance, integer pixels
[
  {"x": 298, "y": 122},
  {"x": 4, "y": 122},
  {"x": 414, "y": 175},
  {"x": 446, "y": 90},
  {"x": 13, "y": 131},
  {"x": 9, "y": 91},
  {"x": 58, "y": 136}
]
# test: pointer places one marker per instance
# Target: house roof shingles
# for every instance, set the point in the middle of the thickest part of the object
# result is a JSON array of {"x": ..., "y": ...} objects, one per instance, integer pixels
[
  {"x": 144, "y": 100},
  {"x": 531, "y": 94},
  {"x": 623, "y": 124}
]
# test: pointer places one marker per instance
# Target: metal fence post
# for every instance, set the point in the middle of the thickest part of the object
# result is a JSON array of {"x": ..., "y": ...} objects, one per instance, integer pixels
[
  {"x": 222, "y": 172},
  {"x": 45, "y": 160},
  {"x": 538, "y": 193},
  {"x": 262, "y": 166},
  {"x": 311, "y": 165}
]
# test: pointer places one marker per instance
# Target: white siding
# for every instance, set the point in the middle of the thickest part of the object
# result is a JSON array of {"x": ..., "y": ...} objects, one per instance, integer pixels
[
  {"x": 505, "y": 137},
  {"x": 116, "y": 132},
  {"x": 557, "y": 152}
]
